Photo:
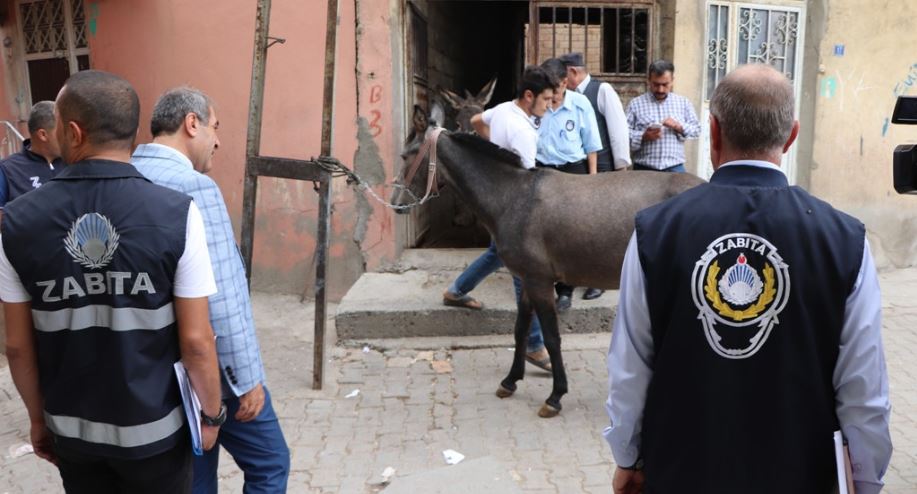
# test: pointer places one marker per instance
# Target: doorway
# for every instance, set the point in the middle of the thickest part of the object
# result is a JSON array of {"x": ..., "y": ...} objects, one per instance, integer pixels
[
  {"x": 742, "y": 33},
  {"x": 460, "y": 46},
  {"x": 54, "y": 44}
]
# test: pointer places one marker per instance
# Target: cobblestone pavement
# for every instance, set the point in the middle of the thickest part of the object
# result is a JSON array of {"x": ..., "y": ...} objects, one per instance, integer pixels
[{"x": 418, "y": 397}]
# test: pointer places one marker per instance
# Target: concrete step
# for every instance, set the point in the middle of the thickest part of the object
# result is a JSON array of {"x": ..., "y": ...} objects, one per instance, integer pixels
[{"x": 407, "y": 302}]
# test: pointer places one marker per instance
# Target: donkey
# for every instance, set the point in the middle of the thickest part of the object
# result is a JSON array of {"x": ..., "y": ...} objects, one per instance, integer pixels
[
  {"x": 538, "y": 218},
  {"x": 468, "y": 106}
]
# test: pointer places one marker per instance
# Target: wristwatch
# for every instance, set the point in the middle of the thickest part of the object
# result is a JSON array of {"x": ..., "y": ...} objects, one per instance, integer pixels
[
  {"x": 636, "y": 466},
  {"x": 214, "y": 421}
]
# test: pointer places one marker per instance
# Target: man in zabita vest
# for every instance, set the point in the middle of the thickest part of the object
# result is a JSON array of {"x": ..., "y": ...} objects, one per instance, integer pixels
[
  {"x": 748, "y": 329},
  {"x": 37, "y": 162},
  {"x": 105, "y": 278}
]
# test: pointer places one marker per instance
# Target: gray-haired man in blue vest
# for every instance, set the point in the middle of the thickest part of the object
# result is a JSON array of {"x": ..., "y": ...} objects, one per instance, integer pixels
[
  {"x": 105, "y": 278},
  {"x": 748, "y": 329}
]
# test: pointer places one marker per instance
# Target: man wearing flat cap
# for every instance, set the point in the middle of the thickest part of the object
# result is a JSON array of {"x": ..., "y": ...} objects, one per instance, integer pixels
[{"x": 615, "y": 153}]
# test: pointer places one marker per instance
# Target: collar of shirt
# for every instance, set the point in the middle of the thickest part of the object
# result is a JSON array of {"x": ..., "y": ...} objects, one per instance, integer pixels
[
  {"x": 756, "y": 163},
  {"x": 94, "y": 169},
  {"x": 528, "y": 118},
  {"x": 581, "y": 87},
  {"x": 568, "y": 103},
  {"x": 27, "y": 151},
  {"x": 161, "y": 151},
  {"x": 749, "y": 173}
]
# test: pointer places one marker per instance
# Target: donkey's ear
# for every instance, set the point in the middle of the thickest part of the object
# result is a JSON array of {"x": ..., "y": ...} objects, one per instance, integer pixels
[
  {"x": 437, "y": 115},
  {"x": 451, "y": 99},
  {"x": 486, "y": 92}
]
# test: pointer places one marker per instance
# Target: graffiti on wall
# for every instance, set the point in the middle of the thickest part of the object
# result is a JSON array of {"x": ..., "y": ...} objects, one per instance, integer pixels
[
  {"x": 375, "y": 122},
  {"x": 901, "y": 87},
  {"x": 828, "y": 87},
  {"x": 93, "y": 19},
  {"x": 841, "y": 85}
]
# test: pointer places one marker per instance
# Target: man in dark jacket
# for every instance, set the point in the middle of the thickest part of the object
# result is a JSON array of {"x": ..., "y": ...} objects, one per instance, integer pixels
[
  {"x": 37, "y": 162},
  {"x": 748, "y": 328}
]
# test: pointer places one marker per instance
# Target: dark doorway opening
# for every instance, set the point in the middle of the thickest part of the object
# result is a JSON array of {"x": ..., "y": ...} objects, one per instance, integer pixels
[{"x": 460, "y": 46}]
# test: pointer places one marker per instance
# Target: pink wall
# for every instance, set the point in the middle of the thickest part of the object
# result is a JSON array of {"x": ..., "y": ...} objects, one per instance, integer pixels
[
  {"x": 208, "y": 44},
  {"x": 12, "y": 88}
]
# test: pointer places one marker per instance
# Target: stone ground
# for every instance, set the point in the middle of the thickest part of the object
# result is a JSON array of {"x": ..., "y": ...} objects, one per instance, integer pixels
[{"x": 418, "y": 397}]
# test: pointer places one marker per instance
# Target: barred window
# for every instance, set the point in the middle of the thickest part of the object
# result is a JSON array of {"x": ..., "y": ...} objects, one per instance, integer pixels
[
  {"x": 614, "y": 39},
  {"x": 54, "y": 43}
]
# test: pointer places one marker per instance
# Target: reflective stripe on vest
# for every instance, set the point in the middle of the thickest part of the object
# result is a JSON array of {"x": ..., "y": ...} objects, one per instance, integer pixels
[
  {"x": 115, "y": 435},
  {"x": 105, "y": 316}
]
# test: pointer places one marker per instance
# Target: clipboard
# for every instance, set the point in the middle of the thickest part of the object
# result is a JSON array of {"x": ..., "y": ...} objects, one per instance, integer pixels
[
  {"x": 844, "y": 470},
  {"x": 192, "y": 406}
]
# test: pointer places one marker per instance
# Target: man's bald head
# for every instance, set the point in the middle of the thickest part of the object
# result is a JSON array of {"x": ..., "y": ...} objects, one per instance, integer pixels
[
  {"x": 104, "y": 106},
  {"x": 754, "y": 108}
]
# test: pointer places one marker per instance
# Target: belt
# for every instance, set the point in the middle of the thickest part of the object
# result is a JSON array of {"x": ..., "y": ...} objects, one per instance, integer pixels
[{"x": 562, "y": 165}]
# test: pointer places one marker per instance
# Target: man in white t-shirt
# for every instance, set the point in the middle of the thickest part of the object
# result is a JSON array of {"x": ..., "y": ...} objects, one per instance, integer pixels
[{"x": 510, "y": 125}]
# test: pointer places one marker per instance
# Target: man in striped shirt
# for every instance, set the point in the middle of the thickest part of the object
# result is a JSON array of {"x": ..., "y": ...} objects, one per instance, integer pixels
[{"x": 660, "y": 121}]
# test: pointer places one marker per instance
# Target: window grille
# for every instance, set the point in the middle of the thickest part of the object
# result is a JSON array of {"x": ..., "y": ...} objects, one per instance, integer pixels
[
  {"x": 717, "y": 45},
  {"x": 769, "y": 36},
  {"x": 614, "y": 40},
  {"x": 54, "y": 43},
  {"x": 43, "y": 26},
  {"x": 79, "y": 24}
]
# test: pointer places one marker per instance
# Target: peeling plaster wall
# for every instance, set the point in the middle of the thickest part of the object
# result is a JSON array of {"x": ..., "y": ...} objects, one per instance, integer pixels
[
  {"x": 845, "y": 143},
  {"x": 148, "y": 43},
  {"x": 851, "y": 163},
  {"x": 14, "y": 92},
  {"x": 378, "y": 70}
]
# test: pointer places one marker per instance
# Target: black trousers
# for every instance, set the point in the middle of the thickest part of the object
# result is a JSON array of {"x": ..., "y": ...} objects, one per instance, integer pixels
[
  {"x": 168, "y": 472},
  {"x": 576, "y": 168}
]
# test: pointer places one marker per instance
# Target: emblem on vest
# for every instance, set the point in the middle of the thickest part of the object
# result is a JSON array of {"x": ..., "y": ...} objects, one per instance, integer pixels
[
  {"x": 92, "y": 241},
  {"x": 740, "y": 285},
  {"x": 570, "y": 126}
]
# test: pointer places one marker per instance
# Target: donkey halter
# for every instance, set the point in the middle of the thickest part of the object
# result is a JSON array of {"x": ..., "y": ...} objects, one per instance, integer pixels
[{"x": 429, "y": 144}]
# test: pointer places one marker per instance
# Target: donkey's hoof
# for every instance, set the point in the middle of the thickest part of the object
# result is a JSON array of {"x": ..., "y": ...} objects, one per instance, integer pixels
[
  {"x": 547, "y": 411},
  {"x": 504, "y": 392}
]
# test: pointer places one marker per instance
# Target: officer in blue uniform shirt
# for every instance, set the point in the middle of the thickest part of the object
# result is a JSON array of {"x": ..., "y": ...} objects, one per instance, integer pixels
[
  {"x": 568, "y": 141},
  {"x": 37, "y": 162},
  {"x": 749, "y": 324},
  {"x": 105, "y": 279}
]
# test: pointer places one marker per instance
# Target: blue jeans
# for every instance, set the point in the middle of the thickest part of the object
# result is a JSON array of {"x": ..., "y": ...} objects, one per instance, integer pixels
[
  {"x": 257, "y": 446},
  {"x": 676, "y": 169},
  {"x": 482, "y": 267}
]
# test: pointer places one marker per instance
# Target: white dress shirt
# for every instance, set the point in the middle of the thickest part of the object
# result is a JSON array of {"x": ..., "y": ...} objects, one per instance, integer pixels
[{"x": 609, "y": 104}]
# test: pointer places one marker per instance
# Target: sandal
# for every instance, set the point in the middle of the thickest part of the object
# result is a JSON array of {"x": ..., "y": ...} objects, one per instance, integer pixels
[
  {"x": 543, "y": 363},
  {"x": 465, "y": 301}
]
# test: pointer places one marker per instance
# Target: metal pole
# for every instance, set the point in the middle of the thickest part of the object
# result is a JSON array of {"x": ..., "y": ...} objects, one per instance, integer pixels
[
  {"x": 324, "y": 202},
  {"x": 253, "y": 141}
]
